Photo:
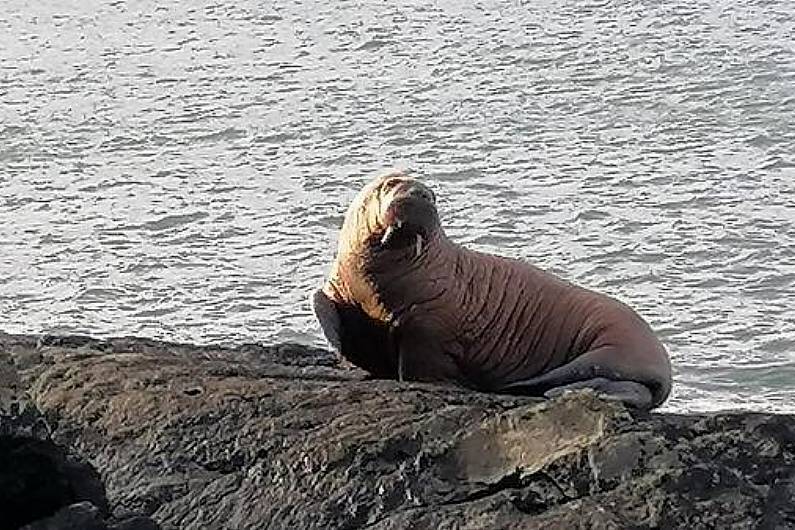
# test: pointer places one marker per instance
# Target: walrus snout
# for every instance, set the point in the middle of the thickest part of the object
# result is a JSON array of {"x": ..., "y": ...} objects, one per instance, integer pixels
[
  {"x": 409, "y": 216},
  {"x": 415, "y": 190},
  {"x": 420, "y": 191},
  {"x": 403, "y": 187},
  {"x": 413, "y": 207}
]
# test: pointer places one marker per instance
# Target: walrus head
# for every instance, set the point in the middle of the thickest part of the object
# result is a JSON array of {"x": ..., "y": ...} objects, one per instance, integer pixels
[
  {"x": 389, "y": 229},
  {"x": 394, "y": 211}
]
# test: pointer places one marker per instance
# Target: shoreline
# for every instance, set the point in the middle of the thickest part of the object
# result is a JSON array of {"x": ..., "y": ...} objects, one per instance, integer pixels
[{"x": 308, "y": 352}]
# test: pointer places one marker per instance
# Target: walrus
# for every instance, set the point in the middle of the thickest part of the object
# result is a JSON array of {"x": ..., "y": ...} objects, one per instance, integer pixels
[{"x": 403, "y": 301}]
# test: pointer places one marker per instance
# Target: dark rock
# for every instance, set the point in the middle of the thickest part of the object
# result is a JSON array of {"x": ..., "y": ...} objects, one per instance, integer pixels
[
  {"x": 80, "y": 516},
  {"x": 43, "y": 485},
  {"x": 38, "y": 478},
  {"x": 135, "y": 523},
  {"x": 275, "y": 437}
]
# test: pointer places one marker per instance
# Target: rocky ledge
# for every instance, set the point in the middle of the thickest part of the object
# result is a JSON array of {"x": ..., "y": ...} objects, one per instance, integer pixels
[{"x": 132, "y": 434}]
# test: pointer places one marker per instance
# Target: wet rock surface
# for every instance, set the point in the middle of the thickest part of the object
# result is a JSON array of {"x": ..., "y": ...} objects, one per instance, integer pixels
[{"x": 179, "y": 436}]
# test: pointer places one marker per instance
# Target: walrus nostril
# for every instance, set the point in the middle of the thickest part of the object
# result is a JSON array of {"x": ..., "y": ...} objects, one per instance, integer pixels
[{"x": 422, "y": 192}]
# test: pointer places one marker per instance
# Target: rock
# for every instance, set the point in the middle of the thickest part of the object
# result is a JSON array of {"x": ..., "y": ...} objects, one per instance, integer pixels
[
  {"x": 79, "y": 516},
  {"x": 86, "y": 516},
  {"x": 37, "y": 477},
  {"x": 280, "y": 436},
  {"x": 44, "y": 485}
]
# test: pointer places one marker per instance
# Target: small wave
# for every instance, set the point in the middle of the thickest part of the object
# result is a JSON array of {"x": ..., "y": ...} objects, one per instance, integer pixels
[{"x": 172, "y": 221}]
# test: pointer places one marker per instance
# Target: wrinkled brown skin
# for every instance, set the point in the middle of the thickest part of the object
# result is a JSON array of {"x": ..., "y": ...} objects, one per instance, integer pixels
[{"x": 490, "y": 323}]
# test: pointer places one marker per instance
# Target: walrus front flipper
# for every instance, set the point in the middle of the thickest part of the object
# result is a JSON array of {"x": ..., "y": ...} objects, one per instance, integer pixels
[
  {"x": 630, "y": 393},
  {"x": 354, "y": 336},
  {"x": 329, "y": 318}
]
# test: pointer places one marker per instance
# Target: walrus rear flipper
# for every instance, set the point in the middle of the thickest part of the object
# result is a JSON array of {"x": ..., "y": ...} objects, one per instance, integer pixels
[
  {"x": 630, "y": 393},
  {"x": 590, "y": 370},
  {"x": 329, "y": 318}
]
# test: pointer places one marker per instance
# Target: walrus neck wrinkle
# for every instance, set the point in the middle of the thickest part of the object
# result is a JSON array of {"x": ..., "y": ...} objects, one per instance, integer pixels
[
  {"x": 386, "y": 282},
  {"x": 411, "y": 279}
]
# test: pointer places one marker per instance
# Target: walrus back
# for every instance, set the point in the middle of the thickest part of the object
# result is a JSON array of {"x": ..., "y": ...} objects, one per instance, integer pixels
[{"x": 517, "y": 321}]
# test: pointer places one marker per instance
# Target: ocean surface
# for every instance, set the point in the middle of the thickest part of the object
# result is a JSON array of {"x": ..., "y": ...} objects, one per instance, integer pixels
[{"x": 179, "y": 170}]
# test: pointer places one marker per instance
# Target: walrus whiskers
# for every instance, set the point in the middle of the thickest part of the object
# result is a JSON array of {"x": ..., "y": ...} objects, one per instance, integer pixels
[{"x": 390, "y": 231}]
